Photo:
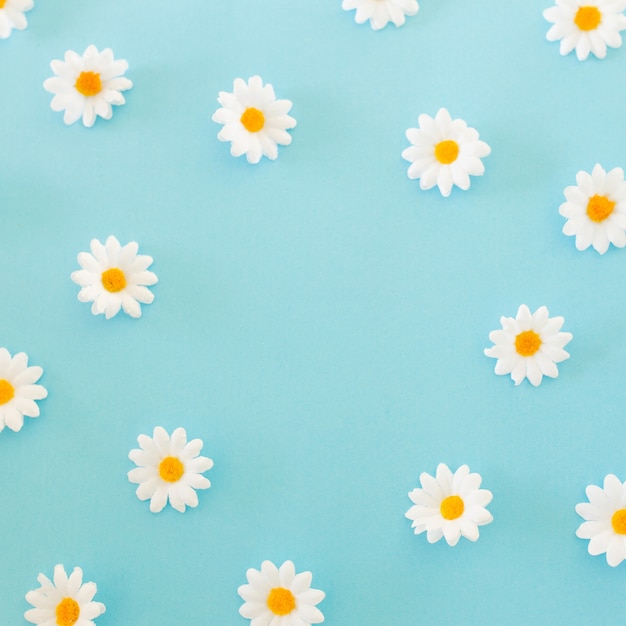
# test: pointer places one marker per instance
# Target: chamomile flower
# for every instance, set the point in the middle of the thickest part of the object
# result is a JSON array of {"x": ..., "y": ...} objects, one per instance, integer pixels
[
  {"x": 169, "y": 468},
  {"x": 114, "y": 277},
  {"x": 65, "y": 602},
  {"x": 86, "y": 86},
  {"x": 596, "y": 209},
  {"x": 255, "y": 122},
  {"x": 280, "y": 597},
  {"x": 381, "y": 12},
  {"x": 12, "y": 15},
  {"x": 449, "y": 505},
  {"x": 586, "y": 25},
  {"x": 18, "y": 391},
  {"x": 444, "y": 152},
  {"x": 605, "y": 520},
  {"x": 529, "y": 345}
]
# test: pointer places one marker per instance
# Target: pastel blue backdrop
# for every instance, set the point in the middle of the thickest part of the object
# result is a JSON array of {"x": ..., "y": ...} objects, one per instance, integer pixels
[{"x": 319, "y": 321}]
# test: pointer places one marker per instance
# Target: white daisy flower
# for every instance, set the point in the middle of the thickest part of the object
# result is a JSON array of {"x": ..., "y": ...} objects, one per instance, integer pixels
[
  {"x": 596, "y": 209},
  {"x": 529, "y": 345},
  {"x": 381, "y": 12},
  {"x": 605, "y": 520},
  {"x": 18, "y": 391},
  {"x": 587, "y": 25},
  {"x": 65, "y": 602},
  {"x": 12, "y": 15},
  {"x": 254, "y": 121},
  {"x": 444, "y": 152},
  {"x": 169, "y": 469},
  {"x": 87, "y": 86},
  {"x": 280, "y": 597},
  {"x": 114, "y": 277}
]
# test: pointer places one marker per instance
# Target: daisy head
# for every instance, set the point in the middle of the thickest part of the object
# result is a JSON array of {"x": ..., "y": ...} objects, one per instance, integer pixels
[
  {"x": 255, "y": 122},
  {"x": 596, "y": 209},
  {"x": 381, "y": 12},
  {"x": 605, "y": 520},
  {"x": 444, "y": 152},
  {"x": 529, "y": 345},
  {"x": 65, "y": 602},
  {"x": 169, "y": 468},
  {"x": 586, "y": 25},
  {"x": 449, "y": 505},
  {"x": 18, "y": 391},
  {"x": 86, "y": 86},
  {"x": 280, "y": 597},
  {"x": 114, "y": 277},
  {"x": 12, "y": 15}
]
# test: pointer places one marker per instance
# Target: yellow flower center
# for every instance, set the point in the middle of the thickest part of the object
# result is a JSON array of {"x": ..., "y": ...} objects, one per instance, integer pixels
[
  {"x": 67, "y": 612},
  {"x": 7, "y": 391},
  {"x": 253, "y": 120},
  {"x": 599, "y": 208},
  {"x": 2, "y": 3},
  {"x": 588, "y": 18},
  {"x": 447, "y": 151},
  {"x": 281, "y": 601},
  {"x": 171, "y": 469},
  {"x": 618, "y": 521},
  {"x": 527, "y": 343},
  {"x": 114, "y": 280},
  {"x": 88, "y": 83},
  {"x": 452, "y": 507}
]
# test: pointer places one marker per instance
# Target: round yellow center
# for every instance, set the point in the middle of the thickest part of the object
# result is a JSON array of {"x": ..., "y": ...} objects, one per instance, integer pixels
[
  {"x": 618, "y": 521},
  {"x": 7, "y": 391},
  {"x": 253, "y": 120},
  {"x": 2, "y": 3},
  {"x": 88, "y": 83},
  {"x": 447, "y": 151},
  {"x": 599, "y": 208},
  {"x": 281, "y": 601},
  {"x": 67, "y": 612},
  {"x": 113, "y": 280},
  {"x": 171, "y": 469},
  {"x": 588, "y": 18},
  {"x": 527, "y": 343},
  {"x": 452, "y": 507}
]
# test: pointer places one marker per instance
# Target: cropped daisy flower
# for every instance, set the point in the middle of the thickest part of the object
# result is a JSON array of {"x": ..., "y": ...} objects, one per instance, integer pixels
[
  {"x": 169, "y": 469},
  {"x": 86, "y": 86},
  {"x": 18, "y": 391},
  {"x": 449, "y": 505},
  {"x": 444, "y": 152},
  {"x": 381, "y": 12},
  {"x": 605, "y": 520},
  {"x": 114, "y": 277},
  {"x": 529, "y": 345},
  {"x": 596, "y": 209},
  {"x": 587, "y": 25},
  {"x": 254, "y": 121},
  {"x": 65, "y": 602},
  {"x": 12, "y": 15},
  {"x": 280, "y": 597}
]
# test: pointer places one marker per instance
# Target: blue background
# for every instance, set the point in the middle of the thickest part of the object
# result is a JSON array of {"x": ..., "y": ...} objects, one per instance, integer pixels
[{"x": 319, "y": 321}]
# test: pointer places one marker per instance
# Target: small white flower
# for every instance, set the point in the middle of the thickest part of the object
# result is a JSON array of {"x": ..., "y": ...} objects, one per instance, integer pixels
[
  {"x": 86, "y": 86},
  {"x": 605, "y": 520},
  {"x": 169, "y": 469},
  {"x": 381, "y": 12},
  {"x": 444, "y": 152},
  {"x": 587, "y": 25},
  {"x": 254, "y": 121},
  {"x": 66, "y": 602},
  {"x": 18, "y": 391},
  {"x": 596, "y": 209},
  {"x": 449, "y": 505},
  {"x": 114, "y": 277},
  {"x": 12, "y": 15},
  {"x": 529, "y": 345},
  {"x": 280, "y": 597}
]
